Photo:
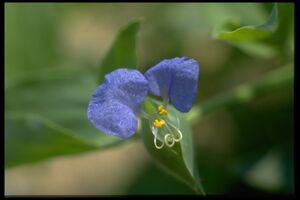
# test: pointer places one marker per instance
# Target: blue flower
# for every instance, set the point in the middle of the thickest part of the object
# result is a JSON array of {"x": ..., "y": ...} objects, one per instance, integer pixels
[{"x": 115, "y": 104}]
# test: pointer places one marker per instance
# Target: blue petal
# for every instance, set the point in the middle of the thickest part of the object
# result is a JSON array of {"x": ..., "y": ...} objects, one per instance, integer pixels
[
  {"x": 114, "y": 103},
  {"x": 113, "y": 117},
  {"x": 176, "y": 79}
]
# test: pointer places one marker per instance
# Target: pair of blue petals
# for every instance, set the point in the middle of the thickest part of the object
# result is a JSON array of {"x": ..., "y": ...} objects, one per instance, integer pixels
[{"x": 114, "y": 104}]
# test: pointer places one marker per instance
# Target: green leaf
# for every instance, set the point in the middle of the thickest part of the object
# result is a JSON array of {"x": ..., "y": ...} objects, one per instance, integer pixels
[
  {"x": 255, "y": 40},
  {"x": 59, "y": 95},
  {"x": 234, "y": 31},
  {"x": 272, "y": 23},
  {"x": 259, "y": 49},
  {"x": 62, "y": 100},
  {"x": 122, "y": 52},
  {"x": 178, "y": 160},
  {"x": 231, "y": 31},
  {"x": 30, "y": 137}
]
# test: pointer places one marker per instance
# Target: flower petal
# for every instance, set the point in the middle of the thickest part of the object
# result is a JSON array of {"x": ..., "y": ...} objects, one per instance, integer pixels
[
  {"x": 114, "y": 103},
  {"x": 177, "y": 79},
  {"x": 113, "y": 117}
]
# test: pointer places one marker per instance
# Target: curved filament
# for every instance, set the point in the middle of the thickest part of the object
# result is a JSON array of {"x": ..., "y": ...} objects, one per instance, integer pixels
[
  {"x": 169, "y": 140},
  {"x": 177, "y": 130},
  {"x": 156, "y": 145}
]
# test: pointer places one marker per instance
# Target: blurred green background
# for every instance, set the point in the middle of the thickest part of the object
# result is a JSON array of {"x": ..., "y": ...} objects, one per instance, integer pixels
[{"x": 52, "y": 58}]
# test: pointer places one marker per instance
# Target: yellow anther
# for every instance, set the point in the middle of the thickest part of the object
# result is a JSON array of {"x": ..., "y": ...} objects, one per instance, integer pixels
[
  {"x": 162, "y": 110},
  {"x": 159, "y": 123},
  {"x": 161, "y": 107}
]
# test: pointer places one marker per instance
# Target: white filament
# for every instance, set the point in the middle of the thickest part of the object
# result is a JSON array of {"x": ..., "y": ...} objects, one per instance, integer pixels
[
  {"x": 169, "y": 138},
  {"x": 178, "y": 131},
  {"x": 156, "y": 145}
]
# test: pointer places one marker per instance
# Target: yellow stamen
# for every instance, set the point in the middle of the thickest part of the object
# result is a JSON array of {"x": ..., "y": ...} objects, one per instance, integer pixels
[
  {"x": 159, "y": 123},
  {"x": 161, "y": 107},
  {"x": 162, "y": 111}
]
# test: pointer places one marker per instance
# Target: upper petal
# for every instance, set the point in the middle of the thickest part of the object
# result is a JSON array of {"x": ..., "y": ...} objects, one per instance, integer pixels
[
  {"x": 114, "y": 103},
  {"x": 176, "y": 78}
]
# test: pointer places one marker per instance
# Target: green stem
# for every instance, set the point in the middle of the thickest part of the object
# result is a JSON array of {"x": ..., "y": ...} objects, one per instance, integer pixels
[
  {"x": 246, "y": 92},
  {"x": 199, "y": 189}
]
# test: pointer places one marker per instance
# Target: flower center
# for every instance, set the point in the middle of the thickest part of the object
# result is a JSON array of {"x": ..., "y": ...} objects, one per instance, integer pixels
[
  {"x": 164, "y": 129},
  {"x": 159, "y": 123}
]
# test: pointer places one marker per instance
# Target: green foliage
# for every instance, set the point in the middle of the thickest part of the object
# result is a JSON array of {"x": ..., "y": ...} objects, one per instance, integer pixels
[
  {"x": 57, "y": 100},
  {"x": 55, "y": 96},
  {"x": 30, "y": 137},
  {"x": 165, "y": 184},
  {"x": 178, "y": 160},
  {"x": 277, "y": 79},
  {"x": 270, "y": 147},
  {"x": 123, "y": 51},
  {"x": 233, "y": 31},
  {"x": 263, "y": 40}
]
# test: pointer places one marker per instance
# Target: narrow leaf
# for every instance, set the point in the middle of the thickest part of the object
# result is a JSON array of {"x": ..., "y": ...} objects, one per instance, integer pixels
[
  {"x": 234, "y": 31},
  {"x": 61, "y": 100},
  {"x": 29, "y": 138},
  {"x": 122, "y": 52}
]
